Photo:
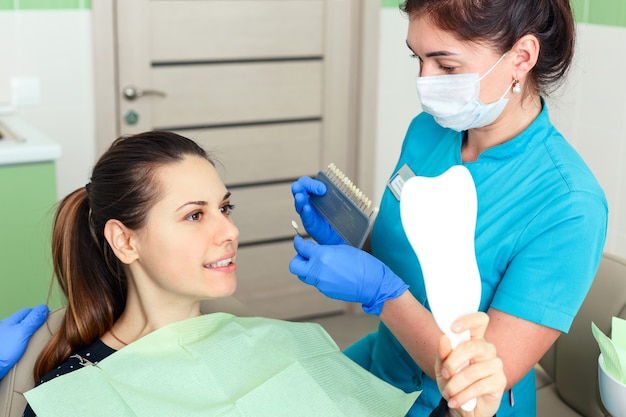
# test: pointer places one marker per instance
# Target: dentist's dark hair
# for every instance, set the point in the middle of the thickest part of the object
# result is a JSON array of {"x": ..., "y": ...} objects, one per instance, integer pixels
[
  {"x": 501, "y": 23},
  {"x": 124, "y": 186}
]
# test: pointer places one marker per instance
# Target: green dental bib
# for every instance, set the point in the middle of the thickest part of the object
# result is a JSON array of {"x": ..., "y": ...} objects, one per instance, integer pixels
[{"x": 222, "y": 365}]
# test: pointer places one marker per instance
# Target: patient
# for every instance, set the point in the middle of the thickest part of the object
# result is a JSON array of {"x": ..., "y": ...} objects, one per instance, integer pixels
[{"x": 138, "y": 248}]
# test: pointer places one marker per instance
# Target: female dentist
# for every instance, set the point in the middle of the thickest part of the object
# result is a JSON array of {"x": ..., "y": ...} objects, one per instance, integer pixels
[{"x": 485, "y": 66}]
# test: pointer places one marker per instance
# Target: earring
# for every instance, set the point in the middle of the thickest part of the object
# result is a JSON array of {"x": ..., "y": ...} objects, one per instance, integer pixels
[{"x": 517, "y": 88}]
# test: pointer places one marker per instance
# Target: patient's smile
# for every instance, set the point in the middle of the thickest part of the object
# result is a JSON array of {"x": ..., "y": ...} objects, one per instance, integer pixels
[{"x": 219, "y": 264}]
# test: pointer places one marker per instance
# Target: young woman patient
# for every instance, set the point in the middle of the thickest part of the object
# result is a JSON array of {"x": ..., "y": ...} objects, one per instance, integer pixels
[{"x": 137, "y": 249}]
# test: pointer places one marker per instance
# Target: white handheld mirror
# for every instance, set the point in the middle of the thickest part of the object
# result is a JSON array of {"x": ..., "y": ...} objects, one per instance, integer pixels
[{"x": 439, "y": 218}]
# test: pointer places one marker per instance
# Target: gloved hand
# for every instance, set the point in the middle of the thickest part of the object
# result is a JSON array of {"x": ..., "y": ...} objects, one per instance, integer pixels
[
  {"x": 15, "y": 331},
  {"x": 346, "y": 273},
  {"x": 313, "y": 222}
]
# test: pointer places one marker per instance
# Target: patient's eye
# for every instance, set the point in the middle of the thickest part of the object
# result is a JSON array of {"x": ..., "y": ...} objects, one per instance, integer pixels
[
  {"x": 195, "y": 216},
  {"x": 227, "y": 209}
]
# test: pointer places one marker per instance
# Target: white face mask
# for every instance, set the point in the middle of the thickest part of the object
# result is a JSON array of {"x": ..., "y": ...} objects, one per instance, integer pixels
[{"x": 453, "y": 100}]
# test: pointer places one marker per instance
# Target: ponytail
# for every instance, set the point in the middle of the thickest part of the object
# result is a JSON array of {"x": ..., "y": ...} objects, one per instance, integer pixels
[{"x": 95, "y": 292}]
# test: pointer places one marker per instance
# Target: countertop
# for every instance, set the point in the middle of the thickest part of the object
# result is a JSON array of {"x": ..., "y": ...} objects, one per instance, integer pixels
[{"x": 23, "y": 143}]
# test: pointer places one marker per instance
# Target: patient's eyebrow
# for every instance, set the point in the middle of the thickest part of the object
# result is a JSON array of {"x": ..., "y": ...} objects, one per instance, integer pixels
[
  {"x": 201, "y": 202},
  {"x": 193, "y": 203}
]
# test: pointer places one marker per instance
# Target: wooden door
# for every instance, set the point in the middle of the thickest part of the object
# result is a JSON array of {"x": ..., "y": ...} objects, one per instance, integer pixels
[{"x": 268, "y": 87}]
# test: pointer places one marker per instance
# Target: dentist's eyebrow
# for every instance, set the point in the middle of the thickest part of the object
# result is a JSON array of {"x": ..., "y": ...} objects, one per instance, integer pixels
[
  {"x": 440, "y": 53},
  {"x": 226, "y": 196},
  {"x": 432, "y": 54}
]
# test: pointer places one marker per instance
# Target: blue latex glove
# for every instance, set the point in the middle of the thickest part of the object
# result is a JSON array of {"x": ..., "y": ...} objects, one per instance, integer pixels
[
  {"x": 346, "y": 273},
  {"x": 15, "y": 332},
  {"x": 315, "y": 225}
]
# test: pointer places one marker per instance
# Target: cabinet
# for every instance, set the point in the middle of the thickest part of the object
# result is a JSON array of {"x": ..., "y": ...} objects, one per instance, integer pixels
[{"x": 28, "y": 195}]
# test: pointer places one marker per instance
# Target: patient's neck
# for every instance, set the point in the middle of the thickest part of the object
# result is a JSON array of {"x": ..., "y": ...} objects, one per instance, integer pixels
[{"x": 144, "y": 314}]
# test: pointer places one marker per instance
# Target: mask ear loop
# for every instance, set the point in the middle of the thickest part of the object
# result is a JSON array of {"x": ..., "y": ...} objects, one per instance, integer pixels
[
  {"x": 491, "y": 69},
  {"x": 494, "y": 65}
]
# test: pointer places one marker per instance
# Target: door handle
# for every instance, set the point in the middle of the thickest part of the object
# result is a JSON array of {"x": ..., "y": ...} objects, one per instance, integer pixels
[{"x": 132, "y": 93}]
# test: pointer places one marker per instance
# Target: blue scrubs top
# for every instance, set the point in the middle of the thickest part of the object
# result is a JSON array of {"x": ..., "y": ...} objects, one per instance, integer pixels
[{"x": 540, "y": 233}]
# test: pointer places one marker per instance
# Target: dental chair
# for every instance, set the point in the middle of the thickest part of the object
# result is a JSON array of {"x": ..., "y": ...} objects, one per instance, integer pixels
[
  {"x": 567, "y": 375},
  {"x": 20, "y": 378}
]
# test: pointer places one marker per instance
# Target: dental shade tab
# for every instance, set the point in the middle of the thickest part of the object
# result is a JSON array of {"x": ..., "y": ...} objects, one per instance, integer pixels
[{"x": 344, "y": 206}]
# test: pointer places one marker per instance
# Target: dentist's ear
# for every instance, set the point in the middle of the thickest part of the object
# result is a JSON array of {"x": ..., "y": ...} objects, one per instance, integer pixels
[
  {"x": 120, "y": 239},
  {"x": 526, "y": 51}
]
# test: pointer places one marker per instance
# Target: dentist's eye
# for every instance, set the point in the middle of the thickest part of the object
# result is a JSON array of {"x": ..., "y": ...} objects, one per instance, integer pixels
[
  {"x": 446, "y": 68},
  {"x": 420, "y": 63},
  {"x": 415, "y": 56}
]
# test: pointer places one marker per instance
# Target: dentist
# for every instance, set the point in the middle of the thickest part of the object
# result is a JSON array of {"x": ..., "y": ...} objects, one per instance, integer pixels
[{"x": 485, "y": 67}]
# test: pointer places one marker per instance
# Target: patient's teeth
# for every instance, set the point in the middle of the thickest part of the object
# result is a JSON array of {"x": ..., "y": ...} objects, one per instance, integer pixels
[{"x": 221, "y": 263}]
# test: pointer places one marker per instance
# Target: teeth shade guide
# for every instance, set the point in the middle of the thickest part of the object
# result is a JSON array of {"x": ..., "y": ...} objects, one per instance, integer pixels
[
  {"x": 350, "y": 189},
  {"x": 344, "y": 206}
]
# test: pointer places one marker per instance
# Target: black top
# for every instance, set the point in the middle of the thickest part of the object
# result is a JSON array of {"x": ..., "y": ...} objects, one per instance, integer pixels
[
  {"x": 441, "y": 409},
  {"x": 89, "y": 355}
]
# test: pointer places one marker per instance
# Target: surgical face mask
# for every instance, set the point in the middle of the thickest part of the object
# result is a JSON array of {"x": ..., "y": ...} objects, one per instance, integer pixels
[{"x": 453, "y": 100}]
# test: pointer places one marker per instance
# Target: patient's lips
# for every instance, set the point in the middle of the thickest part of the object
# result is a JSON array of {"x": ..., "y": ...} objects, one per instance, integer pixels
[{"x": 224, "y": 264}]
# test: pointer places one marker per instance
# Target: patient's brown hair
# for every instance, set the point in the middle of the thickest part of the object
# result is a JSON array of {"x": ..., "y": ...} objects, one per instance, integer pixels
[{"x": 124, "y": 186}]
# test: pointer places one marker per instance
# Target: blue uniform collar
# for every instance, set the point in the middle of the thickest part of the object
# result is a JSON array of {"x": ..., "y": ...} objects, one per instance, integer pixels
[{"x": 532, "y": 136}]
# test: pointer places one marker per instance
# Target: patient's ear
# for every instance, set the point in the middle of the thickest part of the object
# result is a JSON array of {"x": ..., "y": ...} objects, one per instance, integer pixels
[{"x": 120, "y": 239}]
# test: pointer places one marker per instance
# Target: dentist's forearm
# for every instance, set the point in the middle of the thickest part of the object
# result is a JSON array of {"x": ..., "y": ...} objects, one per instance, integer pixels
[{"x": 415, "y": 328}]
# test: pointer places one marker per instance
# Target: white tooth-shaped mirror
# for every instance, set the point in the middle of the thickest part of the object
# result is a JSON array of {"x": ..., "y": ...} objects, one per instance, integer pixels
[{"x": 439, "y": 218}]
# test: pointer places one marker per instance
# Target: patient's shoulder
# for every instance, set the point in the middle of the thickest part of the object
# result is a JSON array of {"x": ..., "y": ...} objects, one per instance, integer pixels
[{"x": 89, "y": 355}]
